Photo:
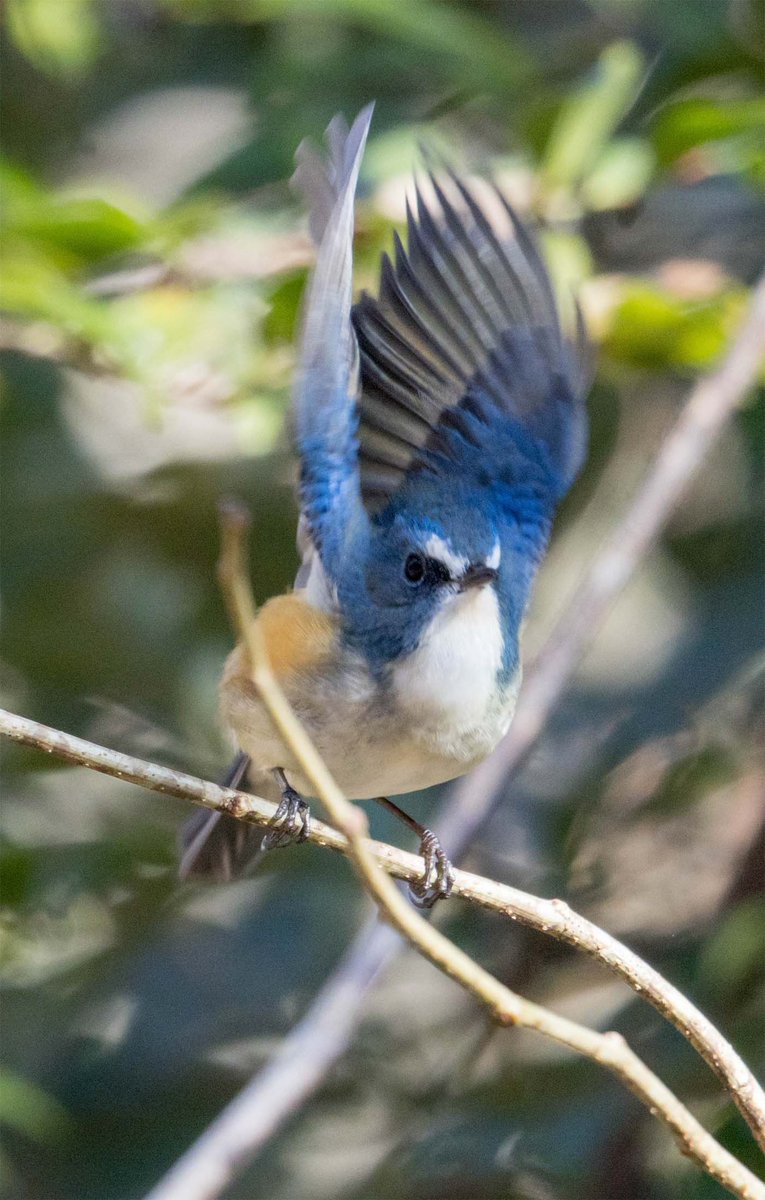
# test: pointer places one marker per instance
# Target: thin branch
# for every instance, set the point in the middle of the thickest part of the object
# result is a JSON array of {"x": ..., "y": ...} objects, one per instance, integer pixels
[
  {"x": 507, "y": 1007},
  {"x": 229, "y": 1144},
  {"x": 296, "y": 1070},
  {"x": 552, "y": 917}
]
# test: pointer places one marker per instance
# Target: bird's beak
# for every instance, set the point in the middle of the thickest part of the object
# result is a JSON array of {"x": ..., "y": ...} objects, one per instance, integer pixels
[{"x": 476, "y": 575}]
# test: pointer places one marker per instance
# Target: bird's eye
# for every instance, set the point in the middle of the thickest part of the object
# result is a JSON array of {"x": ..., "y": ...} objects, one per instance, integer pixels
[{"x": 414, "y": 568}]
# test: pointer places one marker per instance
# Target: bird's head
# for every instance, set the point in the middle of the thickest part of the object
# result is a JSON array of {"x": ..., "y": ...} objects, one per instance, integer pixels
[{"x": 423, "y": 558}]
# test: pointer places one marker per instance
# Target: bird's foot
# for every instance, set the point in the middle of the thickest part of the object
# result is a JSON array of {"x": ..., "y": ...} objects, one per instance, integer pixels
[
  {"x": 437, "y": 879},
  {"x": 291, "y": 823}
]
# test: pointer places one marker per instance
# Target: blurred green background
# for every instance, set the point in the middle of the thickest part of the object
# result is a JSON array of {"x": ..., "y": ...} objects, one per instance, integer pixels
[{"x": 153, "y": 261}]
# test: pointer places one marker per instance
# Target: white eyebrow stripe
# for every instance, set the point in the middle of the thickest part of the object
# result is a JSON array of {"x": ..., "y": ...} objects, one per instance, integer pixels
[{"x": 437, "y": 548}]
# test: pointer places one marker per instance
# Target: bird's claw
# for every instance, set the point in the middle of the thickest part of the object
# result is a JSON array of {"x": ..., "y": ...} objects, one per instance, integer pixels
[
  {"x": 291, "y": 823},
  {"x": 438, "y": 877}
]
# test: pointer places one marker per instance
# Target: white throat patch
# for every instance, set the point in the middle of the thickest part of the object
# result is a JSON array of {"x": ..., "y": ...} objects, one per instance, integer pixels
[{"x": 448, "y": 685}]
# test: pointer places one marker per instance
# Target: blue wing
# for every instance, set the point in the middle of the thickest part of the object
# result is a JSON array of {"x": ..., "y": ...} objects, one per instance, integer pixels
[
  {"x": 464, "y": 366},
  {"x": 327, "y": 384}
]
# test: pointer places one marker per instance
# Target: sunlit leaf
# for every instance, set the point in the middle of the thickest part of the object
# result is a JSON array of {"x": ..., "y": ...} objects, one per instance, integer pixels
[
  {"x": 282, "y": 319},
  {"x": 652, "y": 328},
  {"x": 60, "y": 37},
  {"x": 90, "y": 229},
  {"x": 83, "y": 229},
  {"x": 31, "y": 285},
  {"x": 688, "y": 123},
  {"x": 591, "y": 114},
  {"x": 185, "y": 220},
  {"x": 620, "y": 176},
  {"x": 570, "y": 263}
]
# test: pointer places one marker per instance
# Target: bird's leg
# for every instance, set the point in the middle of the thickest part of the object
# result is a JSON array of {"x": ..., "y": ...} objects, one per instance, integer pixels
[
  {"x": 438, "y": 878},
  {"x": 292, "y": 820}
]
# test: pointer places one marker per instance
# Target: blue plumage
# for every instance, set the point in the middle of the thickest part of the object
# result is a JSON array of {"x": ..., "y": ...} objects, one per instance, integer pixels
[
  {"x": 325, "y": 413},
  {"x": 464, "y": 416},
  {"x": 439, "y": 424}
]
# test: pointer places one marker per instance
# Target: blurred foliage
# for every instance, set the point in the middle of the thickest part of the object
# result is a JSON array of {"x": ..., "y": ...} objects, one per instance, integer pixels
[
  {"x": 653, "y": 328},
  {"x": 62, "y": 39},
  {"x": 152, "y": 267}
]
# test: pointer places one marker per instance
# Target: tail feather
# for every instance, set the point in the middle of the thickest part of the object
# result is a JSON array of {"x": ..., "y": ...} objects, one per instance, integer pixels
[{"x": 215, "y": 847}]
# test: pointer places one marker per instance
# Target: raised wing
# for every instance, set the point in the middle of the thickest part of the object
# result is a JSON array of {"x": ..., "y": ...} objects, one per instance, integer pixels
[
  {"x": 326, "y": 390},
  {"x": 463, "y": 363}
]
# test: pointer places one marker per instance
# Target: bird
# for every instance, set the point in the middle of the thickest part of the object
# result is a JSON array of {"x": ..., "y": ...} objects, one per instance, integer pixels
[{"x": 438, "y": 424}]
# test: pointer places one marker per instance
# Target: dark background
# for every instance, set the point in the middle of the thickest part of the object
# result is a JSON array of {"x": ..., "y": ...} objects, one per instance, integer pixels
[{"x": 157, "y": 137}]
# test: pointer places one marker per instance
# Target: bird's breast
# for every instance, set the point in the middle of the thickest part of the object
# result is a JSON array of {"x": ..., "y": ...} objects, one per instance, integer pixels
[
  {"x": 451, "y": 687},
  {"x": 443, "y": 711}
]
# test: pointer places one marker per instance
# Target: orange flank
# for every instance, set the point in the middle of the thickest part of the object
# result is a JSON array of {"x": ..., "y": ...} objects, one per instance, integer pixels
[{"x": 297, "y": 636}]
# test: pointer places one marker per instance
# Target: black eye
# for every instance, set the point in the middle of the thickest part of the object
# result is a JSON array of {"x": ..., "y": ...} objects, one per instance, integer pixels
[{"x": 414, "y": 568}]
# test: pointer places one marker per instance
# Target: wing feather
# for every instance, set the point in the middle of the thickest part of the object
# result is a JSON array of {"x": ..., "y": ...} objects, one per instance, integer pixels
[
  {"x": 461, "y": 348},
  {"x": 326, "y": 389},
  {"x": 463, "y": 345}
]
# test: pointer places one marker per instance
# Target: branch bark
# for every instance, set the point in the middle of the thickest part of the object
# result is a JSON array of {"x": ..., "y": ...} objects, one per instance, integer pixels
[
  {"x": 553, "y": 917},
  {"x": 230, "y": 1142},
  {"x": 507, "y": 1007}
]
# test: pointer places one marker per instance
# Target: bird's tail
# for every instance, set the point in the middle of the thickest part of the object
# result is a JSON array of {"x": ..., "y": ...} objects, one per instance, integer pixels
[{"x": 215, "y": 847}]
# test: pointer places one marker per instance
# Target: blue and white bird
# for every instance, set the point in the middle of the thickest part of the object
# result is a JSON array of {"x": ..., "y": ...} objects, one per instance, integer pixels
[{"x": 438, "y": 425}]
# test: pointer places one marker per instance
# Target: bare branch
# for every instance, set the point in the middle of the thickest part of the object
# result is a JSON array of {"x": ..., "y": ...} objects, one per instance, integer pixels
[
  {"x": 296, "y": 1070},
  {"x": 553, "y": 917},
  {"x": 246, "y": 1124},
  {"x": 710, "y": 404}
]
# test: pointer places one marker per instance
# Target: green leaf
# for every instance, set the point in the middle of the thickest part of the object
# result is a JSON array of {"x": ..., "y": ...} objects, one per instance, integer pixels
[
  {"x": 26, "y": 1107},
  {"x": 620, "y": 176},
  {"x": 31, "y": 285},
  {"x": 83, "y": 229},
  {"x": 653, "y": 328},
  {"x": 589, "y": 117},
  {"x": 457, "y": 35},
  {"x": 688, "y": 123},
  {"x": 16, "y": 872},
  {"x": 61, "y": 37},
  {"x": 281, "y": 321},
  {"x": 89, "y": 229},
  {"x": 733, "y": 957}
]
